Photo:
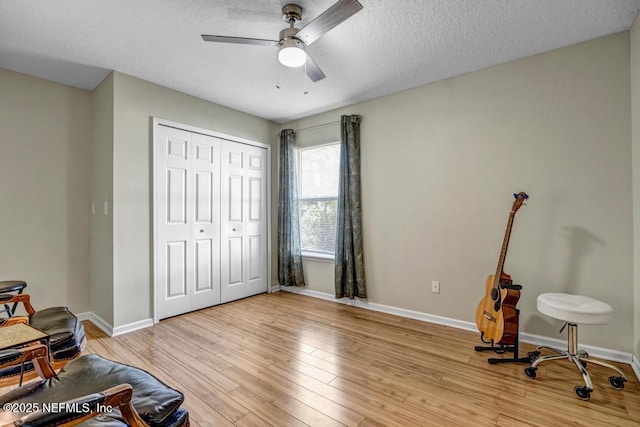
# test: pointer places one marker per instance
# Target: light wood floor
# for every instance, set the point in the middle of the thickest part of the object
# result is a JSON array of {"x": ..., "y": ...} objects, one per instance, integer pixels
[{"x": 289, "y": 360}]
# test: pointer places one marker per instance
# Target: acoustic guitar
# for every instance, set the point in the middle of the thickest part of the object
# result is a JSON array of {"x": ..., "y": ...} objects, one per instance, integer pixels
[{"x": 496, "y": 314}]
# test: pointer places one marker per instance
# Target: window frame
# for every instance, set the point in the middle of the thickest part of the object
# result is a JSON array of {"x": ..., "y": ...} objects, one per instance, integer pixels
[{"x": 306, "y": 254}]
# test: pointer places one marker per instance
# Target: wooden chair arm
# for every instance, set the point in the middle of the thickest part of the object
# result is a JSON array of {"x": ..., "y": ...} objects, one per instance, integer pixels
[
  {"x": 24, "y": 299},
  {"x": 40, "y": 356},
  {"x": 88, "y": 407},
  {"x": 14, "y": 321},
  {"x": 120, "y": 396}
]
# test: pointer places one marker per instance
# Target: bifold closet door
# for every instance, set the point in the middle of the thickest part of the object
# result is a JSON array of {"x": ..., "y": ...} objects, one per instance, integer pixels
[
  {"x": 187, "y": 220},
  {"x": 243, "y": 221}
]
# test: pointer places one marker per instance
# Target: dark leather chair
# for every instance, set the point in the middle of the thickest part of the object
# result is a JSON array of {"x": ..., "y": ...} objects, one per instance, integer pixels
[
  {"x": 10, "y": 287},
  {"x": 66, "y": 337},
  {"x": 87, "y": 385}
]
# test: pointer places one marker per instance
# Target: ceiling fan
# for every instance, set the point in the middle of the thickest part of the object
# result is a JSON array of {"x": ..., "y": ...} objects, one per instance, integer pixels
[{"x": 293, "y": 41}]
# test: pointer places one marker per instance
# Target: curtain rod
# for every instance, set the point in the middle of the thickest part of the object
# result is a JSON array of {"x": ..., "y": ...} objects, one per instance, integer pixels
[{"x": 315, "y": 126}]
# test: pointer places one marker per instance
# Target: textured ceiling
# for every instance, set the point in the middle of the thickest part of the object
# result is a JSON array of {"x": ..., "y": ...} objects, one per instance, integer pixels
[{"x": 391, "y": 45}]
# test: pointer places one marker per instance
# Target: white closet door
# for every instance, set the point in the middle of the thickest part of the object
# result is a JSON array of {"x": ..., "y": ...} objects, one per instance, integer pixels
[
  {"x": 243, "y": 221},
  {"x": 206, "y": 222},
  {"x": 187, "y": 215}
]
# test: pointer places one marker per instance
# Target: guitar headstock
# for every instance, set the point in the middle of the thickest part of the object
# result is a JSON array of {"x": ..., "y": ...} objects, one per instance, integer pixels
[{"x": 520, "y": 198}]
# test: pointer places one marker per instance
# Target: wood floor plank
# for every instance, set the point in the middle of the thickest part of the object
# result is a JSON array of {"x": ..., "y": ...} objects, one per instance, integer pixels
[
  {"x": 263, "y": 409},
  {"x": 369, "y": 423},
  {"x": 376, "y": 412},
  {"x": 284, "y": 359},
  {"x": 252, "y": 420},
  {"x": 283, "y": 383},
  {"x": 369, "y": 378},
  {"x": 507, "y": 421},
  {"x": 282, "y": 400}
]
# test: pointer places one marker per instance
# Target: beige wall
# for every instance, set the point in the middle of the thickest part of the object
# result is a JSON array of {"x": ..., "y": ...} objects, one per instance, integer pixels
[
  {"x": 635, "y": 132},
  {"x": 45, "y": 157},
  {"x": 439, "y": 165},
  {"x": 135, "y": 102},
  {"x": 101, "y": 292}
]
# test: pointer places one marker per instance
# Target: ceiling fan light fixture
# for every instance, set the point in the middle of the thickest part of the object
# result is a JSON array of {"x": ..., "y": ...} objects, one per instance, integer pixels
[
  {"x": 292, "y": 53},
  {"x": 293, "y": 41}
]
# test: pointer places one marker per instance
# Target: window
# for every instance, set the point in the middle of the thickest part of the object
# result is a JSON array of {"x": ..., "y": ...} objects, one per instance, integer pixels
[{"x": 318, "y": 171}]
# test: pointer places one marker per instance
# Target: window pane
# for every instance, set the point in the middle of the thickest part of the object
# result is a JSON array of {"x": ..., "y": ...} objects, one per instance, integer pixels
[
  {"x": 318, "y": 225},
  {"x": 319, "y": 171}
]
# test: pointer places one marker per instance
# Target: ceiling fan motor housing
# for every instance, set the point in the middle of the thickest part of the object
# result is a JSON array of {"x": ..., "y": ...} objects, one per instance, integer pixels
[
  {"x": 288, "y": 38},
  {"x": 291, "y": 12}
]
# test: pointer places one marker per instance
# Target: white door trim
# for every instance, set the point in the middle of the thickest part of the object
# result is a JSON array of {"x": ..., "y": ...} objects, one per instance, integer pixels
[{"x": 164, "y": 122}]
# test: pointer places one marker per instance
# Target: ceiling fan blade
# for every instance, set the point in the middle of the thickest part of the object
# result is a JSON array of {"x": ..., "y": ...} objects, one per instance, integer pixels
[
  {"x": 329, "y": 19},
  {"x": 313, "y": 71},
  {"x": 239, "y": 40}
]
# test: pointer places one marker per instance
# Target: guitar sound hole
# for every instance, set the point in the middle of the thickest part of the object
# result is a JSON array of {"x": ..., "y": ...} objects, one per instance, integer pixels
[
  {"x": 496, "y": 306},
  {"x": 495, "y": 294}
]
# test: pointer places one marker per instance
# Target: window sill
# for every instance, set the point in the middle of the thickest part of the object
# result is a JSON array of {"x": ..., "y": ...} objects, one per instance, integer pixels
[{"x": 317, "y": 256}]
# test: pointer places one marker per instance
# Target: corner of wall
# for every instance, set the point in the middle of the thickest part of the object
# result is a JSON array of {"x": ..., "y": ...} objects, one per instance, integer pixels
[
  {"x": 101, "y": 245},
  {"x": 634, "y": 51}
]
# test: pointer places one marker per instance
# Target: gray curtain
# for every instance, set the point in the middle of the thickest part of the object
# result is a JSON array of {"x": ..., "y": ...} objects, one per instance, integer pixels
[
  {"x": 349, "y": 256},
  {"x": 289, "y": 253}
]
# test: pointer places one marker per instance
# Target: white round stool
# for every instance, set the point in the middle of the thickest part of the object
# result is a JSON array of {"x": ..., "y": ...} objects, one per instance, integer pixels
[{"x": 574, "y": 310}]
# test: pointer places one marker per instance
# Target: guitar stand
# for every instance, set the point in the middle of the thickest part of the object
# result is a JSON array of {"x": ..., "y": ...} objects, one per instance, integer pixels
[{"x": 506, "y": 348}]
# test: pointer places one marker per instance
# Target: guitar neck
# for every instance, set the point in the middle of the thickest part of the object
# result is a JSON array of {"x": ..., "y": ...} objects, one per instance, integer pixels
[{"x": 503, "y": 252}]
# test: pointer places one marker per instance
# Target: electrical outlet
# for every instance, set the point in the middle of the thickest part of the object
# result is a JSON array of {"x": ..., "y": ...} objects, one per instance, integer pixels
[{"x": 435, "y": 287}]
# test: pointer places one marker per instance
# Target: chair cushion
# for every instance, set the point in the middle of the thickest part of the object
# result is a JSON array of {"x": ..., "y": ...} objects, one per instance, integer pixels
[
  {"x": 65, "y": 330},
  {"x": 575, "y": 308},
  {"x": 9, "y": 355},
  {"x": 12, "y": 286},
  {"x": 179, "y": 418},
  {"x": 67, "y": 338},
  {"x": 152, "y": 399}
]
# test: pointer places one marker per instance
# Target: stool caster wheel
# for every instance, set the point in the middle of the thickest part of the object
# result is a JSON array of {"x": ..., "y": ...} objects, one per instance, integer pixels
[
  {"x": 583, "y": 392},
  {"x": 530, "y": 371},
  {"x": 533, "y": 355},
  {"x": 617, "y": 382}
]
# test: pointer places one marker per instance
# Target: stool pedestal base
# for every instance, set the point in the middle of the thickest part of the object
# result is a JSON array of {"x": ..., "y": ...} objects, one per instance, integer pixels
[{"x": 580, "y": 358}]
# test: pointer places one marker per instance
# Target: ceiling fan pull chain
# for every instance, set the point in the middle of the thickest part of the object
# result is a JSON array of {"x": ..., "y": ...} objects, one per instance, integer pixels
[{"x": 305, "y": 81}]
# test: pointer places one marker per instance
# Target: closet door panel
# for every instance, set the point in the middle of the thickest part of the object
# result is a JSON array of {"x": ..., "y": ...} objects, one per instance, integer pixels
[
  {"x": 243, "y": 202},
  {"x": 173, "y": 246},
  {"x": 187, "y": 221},
  {"x": 232, "y": 202},
  {"x": 256, "y": 223},
  {"x": 205, "y": 230}
]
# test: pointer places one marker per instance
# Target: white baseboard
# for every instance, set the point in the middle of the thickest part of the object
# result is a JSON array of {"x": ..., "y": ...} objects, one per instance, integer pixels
[
  {"x": 102, "y": 324},
  {"x": 431, "y": 318},
  {"x": 595, "y": 351},
  {"x": 275, "y": 288},
  {"x": 84, "y": 316},
  {"x": 108, "y": 329},
  {"x": 130, "y": 327},
  {"x": 598, "y": 352},
  {"x": 635, "y": 364}
]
